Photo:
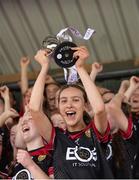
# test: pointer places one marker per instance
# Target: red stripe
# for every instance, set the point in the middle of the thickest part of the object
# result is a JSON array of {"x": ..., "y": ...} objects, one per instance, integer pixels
[
  {"x": 128, "y": 133},
  {"x": 41, "y": 151},
  {"x": 103, "y": 138}
]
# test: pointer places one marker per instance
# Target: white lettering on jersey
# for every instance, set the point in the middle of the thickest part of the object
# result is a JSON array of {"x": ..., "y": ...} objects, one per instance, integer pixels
[
  {"x": 70, "y": 154},
  {"x": 109, "y": 155},
  {"x": 81, "y": 154}
]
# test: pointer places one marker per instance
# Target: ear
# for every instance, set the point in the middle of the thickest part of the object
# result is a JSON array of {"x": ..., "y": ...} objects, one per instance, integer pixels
[
  {"x": 86, "y": 106},
  {"x": 89, "y": 109}
]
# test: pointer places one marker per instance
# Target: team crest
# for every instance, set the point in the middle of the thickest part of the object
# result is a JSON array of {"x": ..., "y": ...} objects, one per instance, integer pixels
[
  {"x": 41, "y": 157},
  {"x": 88, "y": 133}
]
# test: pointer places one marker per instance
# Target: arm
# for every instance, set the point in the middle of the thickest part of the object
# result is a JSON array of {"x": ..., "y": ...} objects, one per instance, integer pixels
[
  {"x": 96, "y": 68},
  {"x": 134, "y": 84},
  {"x": 24, "y": 158},
  {"x": 116, "y": 113},
  {"x": 124, "y": 86},
  {"x": 24, "y": 62},
  {"x": 35, "y": 104},
  {"x": 125, "y": 92},
  {"x": 98, "y": 106},
  {"x": 6, "y": 115},
  {"x": 4, "y": 91}
]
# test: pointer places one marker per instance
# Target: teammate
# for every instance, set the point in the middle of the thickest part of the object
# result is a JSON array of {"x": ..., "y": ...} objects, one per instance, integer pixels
[
  {"x": 38, "y": 150},
  {"x": 77, "y": 151}
]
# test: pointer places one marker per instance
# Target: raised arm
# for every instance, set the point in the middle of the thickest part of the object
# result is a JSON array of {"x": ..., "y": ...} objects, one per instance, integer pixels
[
  {"x": 6, "y": 115},
  {"x": 9, "y": 113},
  {"x": 116, "y": 114},
  {"x": 93, "y": 94},
  {"x": 36, "y": 100},
  {"x": 24, "y": 62},
  {"x": 4, "y": 90},
  {"x": 96, "y": 68},
  {"x": 124, "y": 94},
  {"x": 134, "y": 84}
]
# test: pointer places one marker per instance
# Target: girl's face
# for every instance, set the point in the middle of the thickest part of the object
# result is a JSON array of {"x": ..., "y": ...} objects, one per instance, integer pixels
[
  {"x": 27, "y": 96},
  {"x": 13, "y": 131},
  {"x": 71, "y": 107},
  {"x": 107, "y": 95},
  {"x": 28, "y": 128},
  {"x": 51, "y": 90}
]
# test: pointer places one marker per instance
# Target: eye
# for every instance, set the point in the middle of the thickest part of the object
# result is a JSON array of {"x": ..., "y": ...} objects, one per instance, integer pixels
[
  {"x": 63, "y": 101},
  {"x": 76, "y": 99}
]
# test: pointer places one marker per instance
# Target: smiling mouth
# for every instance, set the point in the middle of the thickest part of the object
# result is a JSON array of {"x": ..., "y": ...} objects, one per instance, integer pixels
[
  {"x": 70, "y": 114},
  {"x": 25, "y": 129}
]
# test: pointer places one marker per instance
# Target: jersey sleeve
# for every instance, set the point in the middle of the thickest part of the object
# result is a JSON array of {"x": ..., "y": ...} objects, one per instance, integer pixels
[
  {"x": 128, "y": 133},
  {"x": 51, "y": 143},
  {"x": 102, "y": 138},
  {"x": 51, "y": 171}
]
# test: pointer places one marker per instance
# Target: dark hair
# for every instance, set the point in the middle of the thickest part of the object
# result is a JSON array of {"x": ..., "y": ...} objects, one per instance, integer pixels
[
  {"x": 126, "y": 108},
  {"x": 86, "y": 117},
  {"x": 47, "y": 84},
  {"x": 77, "y": 86}
]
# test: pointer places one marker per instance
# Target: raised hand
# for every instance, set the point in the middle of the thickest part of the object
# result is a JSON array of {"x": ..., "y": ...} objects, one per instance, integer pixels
[
  {"x": 96, "y": 68},
  {"x": 24, "y": 62},
  {"x": 7, "y": 117},
  {"x": 12, "y": 113},
  {"x": 82, "y": 54},
  {"x": 124, "y": 86},
  {"x": 42, "y": 57},
  {"x": 4, "y": 91},
  {"x": 134, "y": 84}
]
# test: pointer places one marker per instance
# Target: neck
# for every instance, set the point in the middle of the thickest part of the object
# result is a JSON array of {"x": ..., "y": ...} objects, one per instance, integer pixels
[
  {"x": 14, "y": 153},
  {"x": 78, "y": 127},
  {"x": 35, "y": 144}
]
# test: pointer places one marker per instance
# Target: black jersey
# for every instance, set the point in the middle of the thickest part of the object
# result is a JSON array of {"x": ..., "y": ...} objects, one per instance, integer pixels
[
  {"x": 117, "y": 155},
  {"x": 3, "y": 175},
  {"x": 130, "y": 146},
  {"x": 133, "y": 146},
  {"x": 42, "y": 157},
  {"x": 79, "y": 155}
]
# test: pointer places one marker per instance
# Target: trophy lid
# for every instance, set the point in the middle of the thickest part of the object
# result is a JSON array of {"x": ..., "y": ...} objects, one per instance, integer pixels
[{"x": 50, "y": 42}]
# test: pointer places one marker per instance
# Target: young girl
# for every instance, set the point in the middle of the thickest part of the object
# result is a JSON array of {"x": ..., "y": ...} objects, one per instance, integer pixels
[
  {"x": 126, "y": 128},
  {"x": 38, "y": 153},
  {"x": 77, "y": 152}
]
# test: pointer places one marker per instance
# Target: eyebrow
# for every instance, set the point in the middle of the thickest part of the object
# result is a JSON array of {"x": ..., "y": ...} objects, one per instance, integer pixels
[
  {"x": 106, "y": 92},
  {"x": 71, "y": 97}
]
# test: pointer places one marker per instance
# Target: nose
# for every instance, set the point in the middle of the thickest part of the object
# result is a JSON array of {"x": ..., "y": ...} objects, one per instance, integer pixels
[
  {"x": 69, "y": 104},
  {"x": 24, "y": 121}
]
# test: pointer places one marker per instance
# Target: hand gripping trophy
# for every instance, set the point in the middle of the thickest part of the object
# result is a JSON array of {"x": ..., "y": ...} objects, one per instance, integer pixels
[{"x": 60, "y": 50}]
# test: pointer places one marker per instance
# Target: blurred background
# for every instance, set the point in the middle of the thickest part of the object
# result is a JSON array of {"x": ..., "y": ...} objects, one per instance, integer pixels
[{"x": 25, "y": 23}]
